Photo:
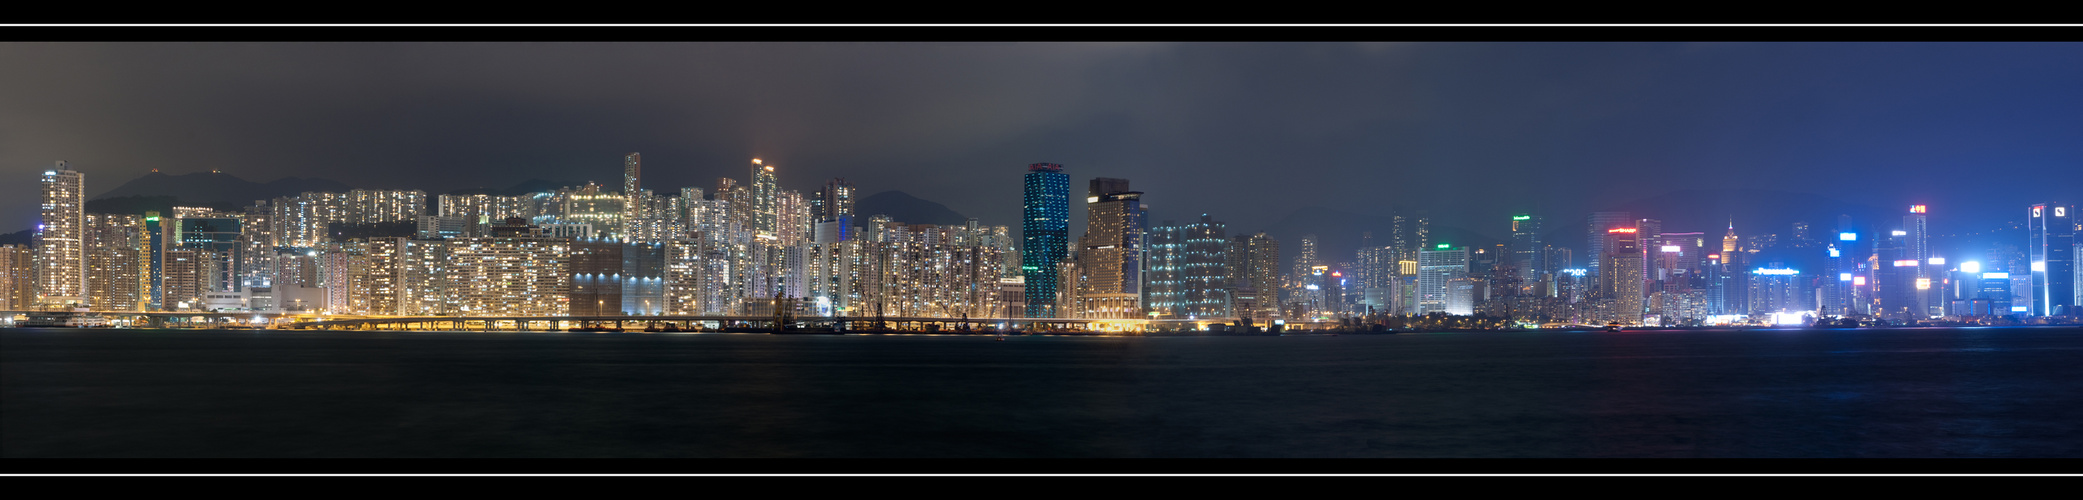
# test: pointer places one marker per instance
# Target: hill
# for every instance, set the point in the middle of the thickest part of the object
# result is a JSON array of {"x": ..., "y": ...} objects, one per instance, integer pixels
[{"x": 906, "y": 208}]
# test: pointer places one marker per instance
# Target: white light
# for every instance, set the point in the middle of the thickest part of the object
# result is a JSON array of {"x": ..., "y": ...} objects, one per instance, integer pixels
[
  {"x": 2039, "y": 267},
  {"x": 1844, "y": 276},
  {"x": 1970, "y": 267},
  {"x": 1670, "y": 248},
  {"x": 1848, "y": 236},
  {"x": 1996, "y": 276},
  {"x": 2021, "y": 309},
  {"x": 1937, "y": 261},
  {"x": 1833, "y": 251},
  {"x": 1900, "y": 232},
  {"x": 1776, "y": 272}
]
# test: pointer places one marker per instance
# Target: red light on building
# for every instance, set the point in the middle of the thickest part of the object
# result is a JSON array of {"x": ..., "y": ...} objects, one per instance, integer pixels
[
  {"x": 1335, "y": 274},
  {"x": 1714, "y": 256},
  {"x": 1621, "y": 230}
]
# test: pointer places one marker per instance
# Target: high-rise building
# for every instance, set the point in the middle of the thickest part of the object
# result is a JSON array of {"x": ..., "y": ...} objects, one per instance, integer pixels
[
  {"x": 1207, "y": 282},
  {"x": 17, "y": 277},
  {"x": 1595, "y": 235},
  {"x": 1111, "y": 251},
  {"x": 1437, "y": 269},
  {"x": 118, "y": 262},
  {"x": 514, "y": 272},
  {"x": 61, "y": 259},
  {"x": 632, "y": 171},
  {"x": 765, "y": 193},
  {"x": 1622, "y": 282},
  {"x": 1045, "y": 235},
  {"x": 834, "y": 201},
  {"x": 2051, "y": 238},
  {"x": 1529, "y": 256}
]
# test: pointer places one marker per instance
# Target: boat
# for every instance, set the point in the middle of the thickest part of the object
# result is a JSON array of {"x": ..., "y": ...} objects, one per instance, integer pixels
[{"x": 1613, "y": 327}]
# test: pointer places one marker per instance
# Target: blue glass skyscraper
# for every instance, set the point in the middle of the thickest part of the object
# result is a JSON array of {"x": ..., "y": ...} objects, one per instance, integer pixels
[{"x": 1045, "y": 235}]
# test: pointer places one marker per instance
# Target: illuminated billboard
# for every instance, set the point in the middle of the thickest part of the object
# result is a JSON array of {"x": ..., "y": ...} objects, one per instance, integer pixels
[
  {"x": 1906, "y": 263},
  {"x": 1996, "y": 276},
  {"x": 1858, "y": 281},
  {"x": 1937, "y": 261},
  {"x": 1923, "y": 283},
  {"x": 1844, "y": 276},
  {"x": 1776, "y": 272},
  {"x": 1848, "y": 236},
  {"x": 1916, "y": 209},
  {"x": 1670, "y": 248},
  {"x": 1970, "y": 267},
  {"x": 1621, "y": 230}
]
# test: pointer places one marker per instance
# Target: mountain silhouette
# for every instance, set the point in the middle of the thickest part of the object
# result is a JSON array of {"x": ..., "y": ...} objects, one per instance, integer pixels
[
  {"x": 906, "y": 208},
  {"x": 204, "y": 188}
]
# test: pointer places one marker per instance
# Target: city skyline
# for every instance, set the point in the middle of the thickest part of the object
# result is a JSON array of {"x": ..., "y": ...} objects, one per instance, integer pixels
[{"x": 1533, "y": 121}]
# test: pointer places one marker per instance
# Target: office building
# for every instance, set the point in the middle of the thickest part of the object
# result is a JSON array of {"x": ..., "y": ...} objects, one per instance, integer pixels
[
  {"x": 2051, "y": 234},
  {"x": 1111, "y": 251},
  {"x": 1045, "y": 234}
]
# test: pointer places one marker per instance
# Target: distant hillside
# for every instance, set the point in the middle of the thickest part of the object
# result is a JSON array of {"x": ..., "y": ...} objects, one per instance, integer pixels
[
  {"x": 204, "y": 188},
  {"x": 22, "y": 237},
  {"x": 906, "y": 208},
  {"x": 524, "y": 187}
]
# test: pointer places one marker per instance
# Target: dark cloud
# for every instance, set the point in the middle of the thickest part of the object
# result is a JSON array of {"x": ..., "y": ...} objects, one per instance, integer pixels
[{"x": 1245, "y": 131}]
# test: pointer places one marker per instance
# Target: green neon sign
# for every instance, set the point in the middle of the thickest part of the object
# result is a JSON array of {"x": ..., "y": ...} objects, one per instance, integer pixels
[
  {"x": 1521, "y": 217},
  {"x": 1442, "y": 245}
]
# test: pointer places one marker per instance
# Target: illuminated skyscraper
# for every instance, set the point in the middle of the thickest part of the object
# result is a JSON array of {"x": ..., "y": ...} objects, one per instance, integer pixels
[
  {"x": 118, "y": 262},
  {"x": 61, "y": 257},
  {"x": 1207, "y": 283},
  {"x": 1437, "y": 269},
  {"x": 1111, "y": 251},
  {"x": 765, "y": 194},
  {"x": 1045, "y": 235},
  {"x": 1595, "y": 236},
  {"x": 1622, "y": 282},
  {"x": 2051, "y": 230},
  {"x": 17, "y": 277},
  {"x": 1528, "y": 253},
  {"x": 632, "y": 170}
]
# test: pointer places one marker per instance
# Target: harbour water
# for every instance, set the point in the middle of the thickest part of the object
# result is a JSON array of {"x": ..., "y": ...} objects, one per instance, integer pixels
[{"x": 1908, "y": 392}]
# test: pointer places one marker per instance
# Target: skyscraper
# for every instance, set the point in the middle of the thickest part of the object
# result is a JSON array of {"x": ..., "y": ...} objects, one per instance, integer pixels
[
  {"x": 765, "y": 194},
  {"x": 2051, "y": 231},
  {"x": 1437, "y": 269},
  {"x": 1207, "y": 284},
  {"x": 632, "y": 170},
  {"x": 1622, "y": 282},
  {"x": 1112, "y": 251},
  {"x": 1595, "y": 235},
  {"x": 61, "y": 257},
  {"x": 1045, "y": 235},
  {"x": 1528, "y": 253}
]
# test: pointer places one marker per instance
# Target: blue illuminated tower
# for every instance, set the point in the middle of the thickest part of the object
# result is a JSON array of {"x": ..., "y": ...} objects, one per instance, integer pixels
[
  {"x": 2052, "y": 235},
  {"x": 1045, "y": 235}
]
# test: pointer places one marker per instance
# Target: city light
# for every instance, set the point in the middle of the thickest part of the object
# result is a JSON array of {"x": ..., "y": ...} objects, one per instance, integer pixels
[
  {"x": 1996, "y": 276},
  {"x": 1923, "y": 283},
  {"x": 1776, "y": 272},
  {"x": 1670, "y": 248},
  {"x": 1848, "y": 236},
  {"x": 1899, "y": 232},
  {"x": 1916, "y": 209},
  {"x": 1906, "y": 263},
  {"x": 2039, "y": 267},
  {"x": 1833, "y": 252},
  {"x": 1521, "y": 217},
  {"x": 1621, "y": 230},
  {"x": 1937, "y": 261},
  {"x": 1442, "y": 246},
  {"x": 1858, "y": 281},
  {"x": 1844, "y": 276},
  {"x": 1970, "y": 267}
]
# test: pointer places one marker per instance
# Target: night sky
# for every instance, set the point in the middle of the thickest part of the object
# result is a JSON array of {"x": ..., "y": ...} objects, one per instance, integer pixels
[{"x": 1245, "y": 131}]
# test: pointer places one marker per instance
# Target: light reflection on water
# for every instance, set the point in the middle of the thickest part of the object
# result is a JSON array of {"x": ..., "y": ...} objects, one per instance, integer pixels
[{"x": 1830, "y": 393}]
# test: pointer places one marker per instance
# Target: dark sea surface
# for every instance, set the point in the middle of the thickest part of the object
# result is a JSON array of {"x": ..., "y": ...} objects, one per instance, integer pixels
[{"x": 1937, "y": 392}]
